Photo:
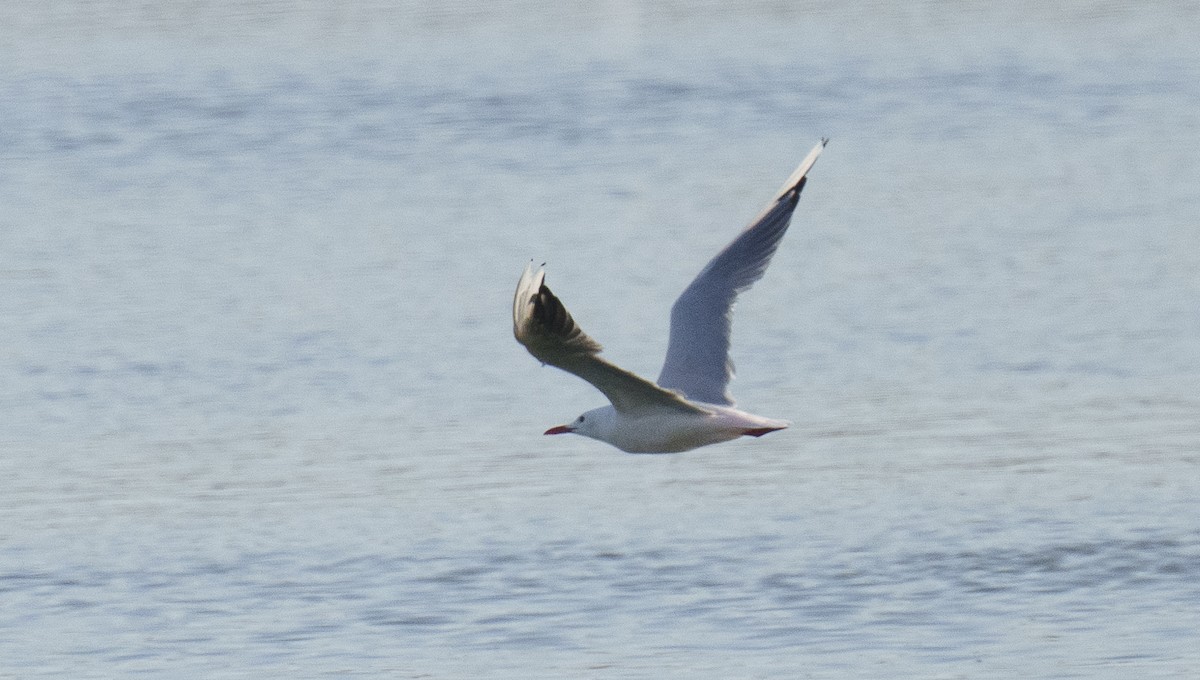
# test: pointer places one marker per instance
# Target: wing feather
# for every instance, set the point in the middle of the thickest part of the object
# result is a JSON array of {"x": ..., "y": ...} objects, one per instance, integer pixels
[
  {"x": 698, "y": 363},
  {"x": 544, "y": 326}
]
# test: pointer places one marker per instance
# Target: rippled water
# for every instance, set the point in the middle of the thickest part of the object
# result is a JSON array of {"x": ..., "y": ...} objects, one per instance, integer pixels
[{"x": 262, "y": 414}]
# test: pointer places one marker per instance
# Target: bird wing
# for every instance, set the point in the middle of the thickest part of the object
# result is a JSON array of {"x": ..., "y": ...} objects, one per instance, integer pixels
[
  {"x": 544, "y": 326},
  {"x": 698, "y": 363}
]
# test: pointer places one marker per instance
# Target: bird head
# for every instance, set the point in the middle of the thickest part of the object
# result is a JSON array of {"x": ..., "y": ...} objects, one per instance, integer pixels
[{"x": 595, "y": 424}]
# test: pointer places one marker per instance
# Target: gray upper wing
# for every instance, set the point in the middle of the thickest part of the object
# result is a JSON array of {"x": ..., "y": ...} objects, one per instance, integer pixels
[
  {"x": 542, "y": 324},
  {"x": 698, "y": 362}
]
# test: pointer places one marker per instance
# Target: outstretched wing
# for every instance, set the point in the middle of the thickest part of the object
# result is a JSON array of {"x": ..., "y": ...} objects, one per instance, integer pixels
[
  {"x": 697, "y": 362},
  {"x": 543, "y": 325}
]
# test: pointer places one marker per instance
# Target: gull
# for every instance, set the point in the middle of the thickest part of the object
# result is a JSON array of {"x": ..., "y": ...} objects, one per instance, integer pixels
[{"x": 690, "y": 406}]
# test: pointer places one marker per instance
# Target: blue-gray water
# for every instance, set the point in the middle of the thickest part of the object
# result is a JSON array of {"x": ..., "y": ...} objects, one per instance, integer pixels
[{"x": 262, "y": 415}]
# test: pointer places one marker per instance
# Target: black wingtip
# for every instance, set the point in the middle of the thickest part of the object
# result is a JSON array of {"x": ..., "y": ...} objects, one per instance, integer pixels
[
  {"x": 547, "y": 309},
  {"x": 793, "y": 195},
  {"x": 552, "y": 315}
]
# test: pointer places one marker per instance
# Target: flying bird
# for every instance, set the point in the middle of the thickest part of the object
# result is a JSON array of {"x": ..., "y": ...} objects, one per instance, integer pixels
[{"x": 690, "y": 406}]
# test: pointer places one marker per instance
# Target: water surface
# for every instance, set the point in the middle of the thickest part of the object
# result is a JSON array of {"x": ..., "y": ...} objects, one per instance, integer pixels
[{"x": 263, "y": 415}]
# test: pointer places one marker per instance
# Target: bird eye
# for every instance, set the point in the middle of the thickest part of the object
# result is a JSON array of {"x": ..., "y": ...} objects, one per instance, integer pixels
[{"x": 581, "y": 419}]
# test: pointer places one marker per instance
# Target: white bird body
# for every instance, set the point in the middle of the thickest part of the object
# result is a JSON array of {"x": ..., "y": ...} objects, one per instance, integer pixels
[
  {"x": 669, "y": 431},
  {"x": 690, "y": 406}
]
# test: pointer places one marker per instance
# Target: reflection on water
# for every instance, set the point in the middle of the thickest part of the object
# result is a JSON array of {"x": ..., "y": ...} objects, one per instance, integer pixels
[{"x": 262, "y": 405}]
